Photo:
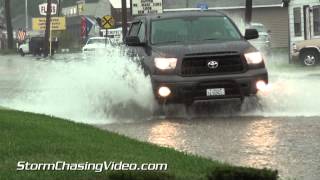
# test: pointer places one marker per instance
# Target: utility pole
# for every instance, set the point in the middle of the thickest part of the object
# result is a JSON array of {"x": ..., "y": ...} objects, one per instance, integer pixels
[
  {"x": 124, "y": 18},
  {"x": 248, "y": 14},
  {"x": 59, "y": 7},
  {"x": 9, "y": 24},
  {"x": 47, "y": 32},
  {"x": 27, "y": 18}
]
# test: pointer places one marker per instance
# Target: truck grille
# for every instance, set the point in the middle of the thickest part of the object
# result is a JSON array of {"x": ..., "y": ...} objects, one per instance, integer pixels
[{"x": 199, "y": 65}]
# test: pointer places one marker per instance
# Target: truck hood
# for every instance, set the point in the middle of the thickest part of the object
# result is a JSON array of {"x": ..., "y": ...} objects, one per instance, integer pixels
[{"x": 181, "y": 50}]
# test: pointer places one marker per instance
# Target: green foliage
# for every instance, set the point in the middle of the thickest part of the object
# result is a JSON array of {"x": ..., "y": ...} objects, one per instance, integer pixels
[
  {"x": 241, "y": 173},
  {"x": 7, "y": 51},
  {"x": 144, "y": 175}
]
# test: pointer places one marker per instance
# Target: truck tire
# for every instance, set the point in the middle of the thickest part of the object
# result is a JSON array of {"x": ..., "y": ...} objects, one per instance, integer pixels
[
  {"x": 309, "y": 57},
  {"x": 21, "y": 52}
]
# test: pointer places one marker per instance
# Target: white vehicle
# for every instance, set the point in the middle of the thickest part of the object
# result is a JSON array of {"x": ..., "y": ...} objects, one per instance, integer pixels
[
  {"x": 34, "y": 46},
  {"x": 95, "y": 44}
]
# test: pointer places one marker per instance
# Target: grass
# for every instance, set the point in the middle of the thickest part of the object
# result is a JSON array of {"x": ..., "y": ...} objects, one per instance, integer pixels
[
  {"x": 7, "y": 51},
  {"x": 39, "y": 138}
]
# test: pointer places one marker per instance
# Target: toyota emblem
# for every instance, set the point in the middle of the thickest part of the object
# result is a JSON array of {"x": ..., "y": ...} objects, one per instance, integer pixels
[{"x": 213, "y": 64}]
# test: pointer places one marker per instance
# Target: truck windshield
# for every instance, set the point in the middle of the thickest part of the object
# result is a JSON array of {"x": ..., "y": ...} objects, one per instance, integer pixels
[{"x": 190, "y": 29}]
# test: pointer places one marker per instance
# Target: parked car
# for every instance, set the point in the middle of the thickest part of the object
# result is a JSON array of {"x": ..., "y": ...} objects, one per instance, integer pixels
[
  {"x": 34, "y": 46},
  {"x": 263, "y": 43},
  {"x": 306, "y": 52},
  {"x": 95, "y": 44},
  {"x": 197, "y": 56}
]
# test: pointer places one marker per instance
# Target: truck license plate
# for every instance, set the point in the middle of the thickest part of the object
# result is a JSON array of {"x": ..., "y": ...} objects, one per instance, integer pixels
[{"x": 216, "y": 92}]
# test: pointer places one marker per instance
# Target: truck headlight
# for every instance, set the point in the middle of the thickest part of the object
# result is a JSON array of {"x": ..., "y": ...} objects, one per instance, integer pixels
[
  {"x": 165, "y": 63},
  {"x": 254, "y": 58}
]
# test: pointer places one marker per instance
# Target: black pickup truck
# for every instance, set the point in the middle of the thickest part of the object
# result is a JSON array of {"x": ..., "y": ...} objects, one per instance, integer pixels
[{"x": 197, "y": 56}]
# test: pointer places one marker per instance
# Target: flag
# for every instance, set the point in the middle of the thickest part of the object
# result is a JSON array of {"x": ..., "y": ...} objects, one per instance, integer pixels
[
  {"x": 21, "y": 35},
  {"x": 86, "y": 26},
  {"x": 83, "y": 28}
]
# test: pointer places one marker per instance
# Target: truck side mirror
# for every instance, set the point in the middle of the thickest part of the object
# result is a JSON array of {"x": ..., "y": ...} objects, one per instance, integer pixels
[
  {"x": 251, "y": 34},
  {"x": 133, "y": 41}
]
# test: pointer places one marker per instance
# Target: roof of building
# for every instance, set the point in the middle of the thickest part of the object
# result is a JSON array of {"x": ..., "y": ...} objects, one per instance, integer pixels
[
  {"x": 184, "y": 14},
  {"x": 220, "y": 4}
]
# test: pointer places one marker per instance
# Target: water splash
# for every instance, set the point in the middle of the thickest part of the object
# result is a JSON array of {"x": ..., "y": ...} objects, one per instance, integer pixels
[
  {"x": 293, "y": 89},
  {"x": 92, "y": 89}
]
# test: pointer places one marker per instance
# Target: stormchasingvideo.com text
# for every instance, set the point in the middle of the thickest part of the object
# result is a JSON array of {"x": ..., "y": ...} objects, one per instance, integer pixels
[{"x": 88, "y": 166}]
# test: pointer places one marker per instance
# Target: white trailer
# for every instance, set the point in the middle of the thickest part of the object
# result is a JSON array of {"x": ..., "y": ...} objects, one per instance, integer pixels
[{"x": 304, "y": 21}]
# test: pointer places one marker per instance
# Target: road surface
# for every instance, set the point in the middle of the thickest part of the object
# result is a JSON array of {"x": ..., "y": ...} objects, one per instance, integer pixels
[{"x": 284, "y": 134}]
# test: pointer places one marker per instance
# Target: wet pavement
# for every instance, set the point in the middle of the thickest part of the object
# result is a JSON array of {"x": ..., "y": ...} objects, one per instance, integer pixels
[
  {"x": 284, "y": 135},
  {"x": 290, "y": 145}
]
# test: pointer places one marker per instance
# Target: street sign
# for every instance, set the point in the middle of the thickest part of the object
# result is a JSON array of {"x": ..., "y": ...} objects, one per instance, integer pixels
[
  {"x": 57, "y": 23},
  {"x": 43, "y": 9},
  {"x": 140, "y": 7},
  {"x": 107, "y": 22}
]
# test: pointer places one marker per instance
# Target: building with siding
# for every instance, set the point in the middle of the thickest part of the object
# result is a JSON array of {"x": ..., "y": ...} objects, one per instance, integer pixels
[{"x": 272, "y": 13}]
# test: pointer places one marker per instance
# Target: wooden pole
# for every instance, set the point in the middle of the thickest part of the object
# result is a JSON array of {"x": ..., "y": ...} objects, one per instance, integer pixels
[
  {"x": 9, "y": 24},
  {"x": 248, "y": 13},
  {"x": 47, "y": 31},
  {"x": 124, "y": 18}
]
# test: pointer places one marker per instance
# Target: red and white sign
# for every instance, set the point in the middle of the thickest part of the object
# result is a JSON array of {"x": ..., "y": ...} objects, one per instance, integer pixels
[
  {"x": 43, "y": 9},
  {"x": 21, "y": 35}
]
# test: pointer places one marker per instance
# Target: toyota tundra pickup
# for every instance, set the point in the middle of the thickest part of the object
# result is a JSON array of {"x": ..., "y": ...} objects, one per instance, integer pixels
[{"x": 197, "y": 56}]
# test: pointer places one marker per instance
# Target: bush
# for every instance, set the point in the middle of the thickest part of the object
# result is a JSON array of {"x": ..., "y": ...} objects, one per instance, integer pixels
[
  {"x": 141, "y": 175},
  {"x": 8, "y": 51},
  {"x": 242, "y": 173}
]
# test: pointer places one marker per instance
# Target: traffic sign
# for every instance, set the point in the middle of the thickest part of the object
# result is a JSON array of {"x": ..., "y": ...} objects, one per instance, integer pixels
[
  {"x": 107, "y": 22},
  {"x": 21, "y": 35},
  {"x": 43, "y": 9},
  {"x": 140, "y": 7},
  {"x": 57, "y": 23}
]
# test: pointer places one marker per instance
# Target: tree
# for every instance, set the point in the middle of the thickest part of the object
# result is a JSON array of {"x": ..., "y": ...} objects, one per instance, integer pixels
[{"x": 9, "y": 24}]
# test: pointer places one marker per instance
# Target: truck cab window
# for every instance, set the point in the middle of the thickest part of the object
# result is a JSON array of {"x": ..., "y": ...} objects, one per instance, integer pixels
[
  {"x": 142, "y": 32},
  {"x": 134, "y": 30},
  {"x": 316, "y": 20},
  {"x": 297, "y": 21}
]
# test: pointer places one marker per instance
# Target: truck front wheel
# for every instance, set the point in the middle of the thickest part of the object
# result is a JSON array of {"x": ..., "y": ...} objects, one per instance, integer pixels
[
  {"x": 309, "y": 57},
  {"x": 21, "y": 52}
]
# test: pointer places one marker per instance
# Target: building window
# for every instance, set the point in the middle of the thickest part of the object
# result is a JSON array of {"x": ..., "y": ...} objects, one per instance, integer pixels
[
  {"x": 316, "y": 20},
  {"x": 297, "y": 21}
]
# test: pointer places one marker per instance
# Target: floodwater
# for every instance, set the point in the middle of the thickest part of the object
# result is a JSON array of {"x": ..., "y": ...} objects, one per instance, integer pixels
[{"x": 112, "y": 93}]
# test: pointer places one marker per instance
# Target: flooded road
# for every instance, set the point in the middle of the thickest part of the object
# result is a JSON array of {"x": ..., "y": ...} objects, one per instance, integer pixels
[
  {"x": 291, "y": 145},
  {"x": 283, "y": 134}
]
